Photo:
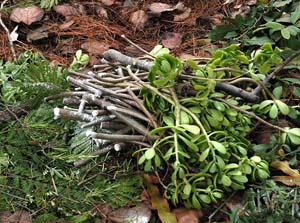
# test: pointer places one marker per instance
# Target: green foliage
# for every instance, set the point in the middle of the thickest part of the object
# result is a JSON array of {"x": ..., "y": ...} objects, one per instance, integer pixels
[
  {"x": 36, "y": 152},
  {"x": 30, "y": 78},
  {"x": 285, "y": 26},
  {"x": 269, "y": 203},
  {"x": 276, "y": 22},
  {"x": 48, "y": 4},
  {"x": 159, "y": 50},
  {"x": 80, "y": 61},
  {"x": 267, "y": 57},
  {"x": 32, "y": 177},
  {"x": 273, "y": 108},
  {"x": 164, "y": 72},
  {"x": 231, "y": 57},
  {"x": 201, "y": 137},
  {"x": 232, "y": 28}
]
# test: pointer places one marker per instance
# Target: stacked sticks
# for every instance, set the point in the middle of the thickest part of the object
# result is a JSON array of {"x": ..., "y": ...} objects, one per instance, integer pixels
[{"x": 106, "y": 104}]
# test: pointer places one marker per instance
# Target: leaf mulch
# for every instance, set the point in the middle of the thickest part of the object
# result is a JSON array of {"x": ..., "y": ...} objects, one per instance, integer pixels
[{"x": 97, "y": 26}]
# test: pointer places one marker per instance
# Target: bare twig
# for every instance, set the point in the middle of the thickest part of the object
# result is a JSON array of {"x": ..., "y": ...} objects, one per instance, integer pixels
[
  {"x": 64, "y": 94},
  {"x": 142, "y": 108},
  {"x": 72, "y": 115},
  {"x": 104, "y": 149},
  {"x": 137, "y": 46},
  {"x": 224, "y": 86},
  {"x": 134, "y": 124},
  {"x": 96, "y": 153},
  {"x": 126, "y": 60},
  {"x": 236, "y": 91},
  {"x": 8, "y": 33},
  {"x": 127, "y": 112},
  {"x": 118, "y": 138},
  {"x": 106, "y": 91},
  {"x": 79, "y": 83}
]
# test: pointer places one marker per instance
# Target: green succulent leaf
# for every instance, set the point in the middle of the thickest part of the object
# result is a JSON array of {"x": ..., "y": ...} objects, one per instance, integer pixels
[
  {"x": 187, "y": 189},
  {"x": 204, "y": 155},
  {"x": 285, "y": 33},
  {"x": 191, "y": 128},
  {"x": 226, "y": 181},
  {"x": 165, "y": 66},
  {"x": 150, "y": 153},
  {"x": 219, "y": 147},
  {"x": 263, "y": 174},
  {"x": 284, "y": 109},
  {"x": 277, "y": 92},
  {"x": 294, "y": 138},
  {"x": 205, "y": 198},
  {"x": 184, "y": 118},
  {"x": 195, "y": 202},
  {"x": 190, "y": 144},
  {"x": 273, "y": 113},
  {"x": 255, "y": 159}
]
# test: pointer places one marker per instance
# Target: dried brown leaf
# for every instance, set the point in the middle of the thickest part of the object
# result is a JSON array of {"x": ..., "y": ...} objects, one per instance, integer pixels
[
  {"x": 184, "y": 215},
  {"x": 217, "y": 19},
  {"x": 243, "y": 11},
  {"x": 66, "y": 10},
  {"x": 27, "y": 15},
  {"x": 141, "y": 213},
  {"x": 284, "y": 166},
  {"x": 95, "y": 47},
  {"x": 133, "y": 51},
  {"x": 180, "y": 6},
  {"x": 157, "y": 7},
  {"x": 66, "y": 25},
  {"x": 235, "y": 201},
  {"x": 38, "y": 34},
  {"x": 181, "y": 17},
  {"x": 20, "y": 217},
  {"x": 158, "y": 202},
  {"x": 108, "y": 2},
  {"x": 238, "y": 6},
  {"x": 288, "y": 180},
  {"x": 138, "y": 19},
  {"x": 4, "y": 216},
  {"x": 101, "y": 12},
  {"x": 251, "y": 2},
  {"x": 184, "y": 56},
  {"x": 104, "y": 209},
  {"x": 129, "y": 3},
  {"x": 203, "y": 53},
  {"x": 94, "y": 60},
  {"x": 172, "y": 40}
]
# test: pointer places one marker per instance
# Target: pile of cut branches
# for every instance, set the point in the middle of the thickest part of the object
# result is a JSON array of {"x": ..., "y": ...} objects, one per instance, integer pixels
[{"x": 188, "y": 121}]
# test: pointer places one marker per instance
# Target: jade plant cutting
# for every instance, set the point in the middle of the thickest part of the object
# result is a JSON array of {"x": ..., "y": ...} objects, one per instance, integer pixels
[{"x": 201, "y": 138}]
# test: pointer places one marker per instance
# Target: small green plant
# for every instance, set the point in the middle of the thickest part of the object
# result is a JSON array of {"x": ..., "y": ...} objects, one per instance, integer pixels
[
  {"x": 206, "y": 159},
  {"x": 48, "y": 4},
  {"x": 36, "y": 152},
  {"x": 159, "y": 50},
  {"x": 284, "y": 27},
  {"x": 275, "y": 22},
  {"x": 166, "y": 67},
  {"x": 80, "y": 61},
  {"x": 229, "y": 56},
  {"x": 202, "y": 137},
  {"x": 30, "y": 78},
  {"x": 268, "y": 202},
  {"x": 267, "y": 57}
]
